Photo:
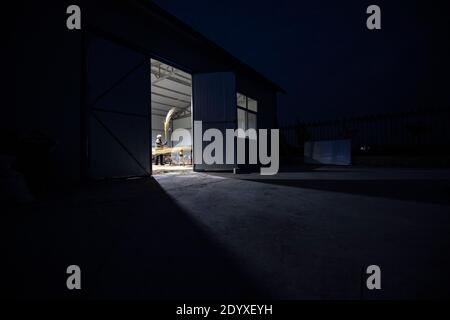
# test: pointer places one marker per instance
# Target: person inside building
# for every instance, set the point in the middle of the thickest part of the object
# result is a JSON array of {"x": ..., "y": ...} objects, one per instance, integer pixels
[{"x": 159, "y": 146}]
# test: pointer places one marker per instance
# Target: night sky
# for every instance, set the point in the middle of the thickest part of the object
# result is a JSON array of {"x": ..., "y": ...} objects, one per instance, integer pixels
[{"x": 326, "y": 59}]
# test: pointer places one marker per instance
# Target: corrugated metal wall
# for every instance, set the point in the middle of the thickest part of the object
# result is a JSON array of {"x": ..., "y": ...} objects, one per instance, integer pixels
[{"x": 214, "y": 103}]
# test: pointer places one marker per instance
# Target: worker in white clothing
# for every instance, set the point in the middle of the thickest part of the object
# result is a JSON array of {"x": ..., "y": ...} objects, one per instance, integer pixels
[{"x": 159, "y": 146}]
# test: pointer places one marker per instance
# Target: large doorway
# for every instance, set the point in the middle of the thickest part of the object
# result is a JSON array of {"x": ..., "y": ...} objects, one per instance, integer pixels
[
  {"x": 171, "y": 109},
  {"x": 120, "y": 131}
]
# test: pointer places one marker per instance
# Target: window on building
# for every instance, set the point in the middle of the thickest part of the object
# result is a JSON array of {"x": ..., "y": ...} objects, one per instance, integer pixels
[{"x": 247, "y": 109}]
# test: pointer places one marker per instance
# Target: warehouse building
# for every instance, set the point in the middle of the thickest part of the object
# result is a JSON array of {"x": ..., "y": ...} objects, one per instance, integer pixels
[{"x": 103, "y": 94}]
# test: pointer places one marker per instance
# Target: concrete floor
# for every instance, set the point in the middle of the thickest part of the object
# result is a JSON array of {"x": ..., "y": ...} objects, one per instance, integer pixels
[
  {"x": 161, "y": 169},
  {"x": 307, "y": 234},
  {"x": 310, "y": 234}
]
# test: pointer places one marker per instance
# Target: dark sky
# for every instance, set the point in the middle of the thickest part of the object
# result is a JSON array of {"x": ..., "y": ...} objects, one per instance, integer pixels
[{"x": 326, "y": 59}]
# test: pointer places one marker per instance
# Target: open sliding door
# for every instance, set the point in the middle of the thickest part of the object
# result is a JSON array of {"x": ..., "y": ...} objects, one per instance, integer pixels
[
  {"x": 118, "y": 107},
  {"x": 214, "y": 103}
]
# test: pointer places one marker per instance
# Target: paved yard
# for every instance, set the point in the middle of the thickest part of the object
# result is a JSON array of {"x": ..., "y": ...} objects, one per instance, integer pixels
[
  {"x": 310, "y": 234},
  {"x": 184, "y": 235}
]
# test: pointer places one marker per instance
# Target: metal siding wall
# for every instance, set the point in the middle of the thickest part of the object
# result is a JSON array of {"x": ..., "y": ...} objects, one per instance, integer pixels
[
  {"x": 214, "y": 103},
  {"x": 118, "y": 99}
]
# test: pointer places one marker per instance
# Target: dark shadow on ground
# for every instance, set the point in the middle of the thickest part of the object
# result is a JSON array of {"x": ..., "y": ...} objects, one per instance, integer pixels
[
  {"x": 131, "y": 241},
  {"x": 429, "y": 191},
  {"x": 312, "y": 168}
]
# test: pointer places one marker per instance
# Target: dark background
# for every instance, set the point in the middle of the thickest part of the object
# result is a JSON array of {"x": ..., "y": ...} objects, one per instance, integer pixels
[{"x": 326, "y": 59}]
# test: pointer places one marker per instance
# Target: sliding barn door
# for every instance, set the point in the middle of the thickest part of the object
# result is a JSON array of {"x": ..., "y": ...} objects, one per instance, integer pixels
[
  {"x": 214, "y": 103},
  {"x": 118, "y": 106}
]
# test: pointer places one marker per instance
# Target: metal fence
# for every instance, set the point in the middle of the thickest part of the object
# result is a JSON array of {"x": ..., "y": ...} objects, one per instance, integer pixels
[{"x": 418, "y": 128}]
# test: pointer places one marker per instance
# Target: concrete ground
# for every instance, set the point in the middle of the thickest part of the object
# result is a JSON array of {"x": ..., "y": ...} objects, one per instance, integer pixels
[
  {"x": 311, "y": 234},
  {"x": 307, "y": 234}
]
